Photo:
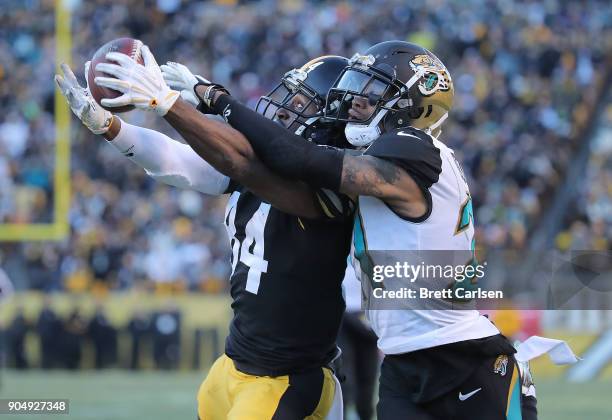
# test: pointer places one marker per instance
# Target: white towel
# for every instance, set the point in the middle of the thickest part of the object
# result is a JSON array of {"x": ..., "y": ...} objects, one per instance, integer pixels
[{"x": 559, "y": 351}]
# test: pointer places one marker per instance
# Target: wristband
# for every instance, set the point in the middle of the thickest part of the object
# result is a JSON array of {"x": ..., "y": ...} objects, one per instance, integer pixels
[
  {"x": 104, "y": 129},
  {"x": 205, "y": 105}
]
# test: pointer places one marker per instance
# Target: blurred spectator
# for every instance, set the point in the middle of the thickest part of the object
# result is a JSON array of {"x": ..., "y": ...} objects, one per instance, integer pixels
[
  {"x": 49, "y": 329},
  {"x": 139, "y": 328},
  {"x": 104, "y": 338},
  {"x": 6, "y": 287},
  {"x": 74, "y": 330},
  {"x": 15, "y": 336},
  {"x": 166, "y": 328}
]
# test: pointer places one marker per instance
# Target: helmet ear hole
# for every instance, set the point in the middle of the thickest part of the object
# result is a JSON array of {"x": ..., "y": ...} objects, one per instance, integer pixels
[
  {"x": 396, "y": 119},
  {"x": 416, "y": 112}
]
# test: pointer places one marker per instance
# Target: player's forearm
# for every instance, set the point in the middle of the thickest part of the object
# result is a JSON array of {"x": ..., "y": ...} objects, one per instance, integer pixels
[
  {"x": 220, "y": 145},
  {"x": 282, "y": 151},
  {"x": 230, "y": 152},
  {"x": 371, "y": 176},
  {"x": 166, "y": 160}
]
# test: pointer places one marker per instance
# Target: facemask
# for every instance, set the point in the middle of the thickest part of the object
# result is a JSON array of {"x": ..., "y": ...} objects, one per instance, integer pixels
[{"x": 360, "y": 135}]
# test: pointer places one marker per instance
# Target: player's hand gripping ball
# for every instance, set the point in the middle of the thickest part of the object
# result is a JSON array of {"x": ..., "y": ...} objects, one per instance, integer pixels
[
  {"x": 179, "y": 77},
  {"x": 79, "y": 98},
  {"x": 141, "y": 85},
  {"x": 128, "y": 46}
]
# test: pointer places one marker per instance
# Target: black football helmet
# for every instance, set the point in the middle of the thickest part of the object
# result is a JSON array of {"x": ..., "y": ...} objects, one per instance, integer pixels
[
  {"x": 393, "y": 84},
  {"x": 298, "y": 100}
]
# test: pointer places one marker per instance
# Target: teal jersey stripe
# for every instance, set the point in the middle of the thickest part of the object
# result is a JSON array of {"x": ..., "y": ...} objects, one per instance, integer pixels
[
  {"x": 361, "y": 247},
  {"x": 466, "y": 215},
  {"x": 358, "y": 241},
  {"x": 514, "y": 411}
]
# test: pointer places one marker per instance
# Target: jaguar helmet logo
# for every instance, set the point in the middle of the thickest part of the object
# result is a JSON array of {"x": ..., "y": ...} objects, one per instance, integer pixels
[{"x": 435, "y": 78}]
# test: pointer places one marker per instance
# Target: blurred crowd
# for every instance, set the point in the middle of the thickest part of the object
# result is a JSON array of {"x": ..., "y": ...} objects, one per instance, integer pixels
[
  {"x": 62, "y": 340},
  {"x": 526, "y": 74},
  {"x": 589, "y": 221}
]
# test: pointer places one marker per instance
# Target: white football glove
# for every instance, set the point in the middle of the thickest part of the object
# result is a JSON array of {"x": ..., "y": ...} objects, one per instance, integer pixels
[
  {"x": 142, "y": 86},
  {"x": 82, "y": 104},
  {"x": 179, "y": 77}
]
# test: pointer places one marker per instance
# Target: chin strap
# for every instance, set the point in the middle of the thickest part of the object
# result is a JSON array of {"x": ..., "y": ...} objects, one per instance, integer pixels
[
  {"x": 361, "y": 135},
  {"x": 437, "y": 124},
  {"x": 305, "y": 125}
]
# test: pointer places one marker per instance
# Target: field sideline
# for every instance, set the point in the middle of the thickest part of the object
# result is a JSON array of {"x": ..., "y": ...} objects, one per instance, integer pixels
[{"x": 163, "y": 395}]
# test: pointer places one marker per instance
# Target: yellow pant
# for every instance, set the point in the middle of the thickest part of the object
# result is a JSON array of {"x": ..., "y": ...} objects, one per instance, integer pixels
[{"x": 227, "y": 393}]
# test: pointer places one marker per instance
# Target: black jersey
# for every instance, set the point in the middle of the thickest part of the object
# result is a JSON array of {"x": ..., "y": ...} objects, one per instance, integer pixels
[{"x": 285, "y": 283}]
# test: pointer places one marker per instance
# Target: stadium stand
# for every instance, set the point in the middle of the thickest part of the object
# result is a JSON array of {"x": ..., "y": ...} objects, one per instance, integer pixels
[{"x": 527, "y": 75}]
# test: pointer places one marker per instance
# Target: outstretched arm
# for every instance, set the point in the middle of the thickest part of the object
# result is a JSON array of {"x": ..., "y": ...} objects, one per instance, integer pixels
[
  {"x": 326, "y": 167},
  {"x": 229, "y": 151},
  {"x": 165, "y": 159},
  {"x": 169, "y": 161},
  {"x": 223, "y": 147}
]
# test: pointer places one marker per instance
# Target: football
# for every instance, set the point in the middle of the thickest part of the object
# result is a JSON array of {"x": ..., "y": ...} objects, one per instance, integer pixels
[{"x": 127, "y": 46}]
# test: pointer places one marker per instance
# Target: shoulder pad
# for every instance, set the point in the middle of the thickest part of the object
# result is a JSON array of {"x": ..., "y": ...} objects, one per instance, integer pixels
[{"x": 411, "y": 149}]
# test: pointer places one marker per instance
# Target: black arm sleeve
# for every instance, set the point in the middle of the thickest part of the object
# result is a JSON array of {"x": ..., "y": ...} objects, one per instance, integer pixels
[{"x": 282, "y": 151}]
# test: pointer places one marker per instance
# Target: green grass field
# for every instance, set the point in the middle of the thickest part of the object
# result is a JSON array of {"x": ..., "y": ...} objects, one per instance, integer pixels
[{"x": 158, "y": 395}]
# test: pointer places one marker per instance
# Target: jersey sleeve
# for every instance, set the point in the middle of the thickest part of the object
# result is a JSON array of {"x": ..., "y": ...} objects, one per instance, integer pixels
[
  {"x": 169, "y": 161},
  {"x": 334, "y": 205},
  {"x": 414, "y": 151}
]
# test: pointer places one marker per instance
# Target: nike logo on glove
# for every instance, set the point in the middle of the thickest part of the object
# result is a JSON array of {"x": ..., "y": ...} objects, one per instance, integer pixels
[{"x": 463, "y": 397}]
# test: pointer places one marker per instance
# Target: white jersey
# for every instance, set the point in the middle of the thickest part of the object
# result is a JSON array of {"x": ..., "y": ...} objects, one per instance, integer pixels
[
  {"x": 448, "y": 227},
  {"x": 352, "y": 290}
]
